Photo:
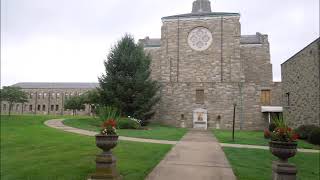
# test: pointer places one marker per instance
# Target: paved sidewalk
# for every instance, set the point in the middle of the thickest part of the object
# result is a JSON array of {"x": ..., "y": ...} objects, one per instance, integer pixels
[
  {"x": 264, "y": 147},
  {"x": 57, "y": 124},
  {"x": 197, "y": 156}
]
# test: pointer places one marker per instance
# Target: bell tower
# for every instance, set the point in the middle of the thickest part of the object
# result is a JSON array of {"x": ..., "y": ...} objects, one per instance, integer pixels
[{"x": 201, "y": 6}]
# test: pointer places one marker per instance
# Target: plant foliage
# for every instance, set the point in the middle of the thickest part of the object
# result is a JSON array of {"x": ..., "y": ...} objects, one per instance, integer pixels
[
  {"x": 12, "y": 95},
  {"x": 74, "y": 103},
  {"x": 127, "y": 84}
]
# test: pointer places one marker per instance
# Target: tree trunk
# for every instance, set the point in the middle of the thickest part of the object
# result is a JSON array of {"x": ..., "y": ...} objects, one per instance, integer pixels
[{"x": 10, "y": 107}]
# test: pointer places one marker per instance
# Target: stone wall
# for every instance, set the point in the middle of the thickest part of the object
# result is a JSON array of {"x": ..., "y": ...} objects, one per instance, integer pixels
[
  {"x": 155, "y": 54},
  {"x": 46, "y": 101},
  {"x": 219, "y": 63},
  {"x": 219, "y": 71},
  {"x": 257, "y": 66},
  {"x": 300, "y": 81}
]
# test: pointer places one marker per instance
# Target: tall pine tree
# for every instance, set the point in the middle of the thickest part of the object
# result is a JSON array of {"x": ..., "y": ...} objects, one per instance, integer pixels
[{"x": 127, "y": 84}]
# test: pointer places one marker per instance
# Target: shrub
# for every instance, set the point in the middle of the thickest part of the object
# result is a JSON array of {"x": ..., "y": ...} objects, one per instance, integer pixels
[
  {"x": 267, "y": 134},
  {"x": 314, "y": 136},
  {"x": 272, "y": 126},
  {"x": 108, "y": 112},
  {"x": 305, "y": 130},
  {"x": 127, "y": 123}
]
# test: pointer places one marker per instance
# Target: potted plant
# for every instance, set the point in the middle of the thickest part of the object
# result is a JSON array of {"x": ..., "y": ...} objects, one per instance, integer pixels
[
  {"x": 283, "y": 142},
  {"x": 106, "y": 140}
]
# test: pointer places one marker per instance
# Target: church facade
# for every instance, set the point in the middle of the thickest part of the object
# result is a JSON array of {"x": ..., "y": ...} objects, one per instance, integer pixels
[{"x": 203, "y": 62}]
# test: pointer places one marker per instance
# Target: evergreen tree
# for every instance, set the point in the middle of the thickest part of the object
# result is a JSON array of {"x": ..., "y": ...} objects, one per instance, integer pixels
[{"x": 127, "y": 84}]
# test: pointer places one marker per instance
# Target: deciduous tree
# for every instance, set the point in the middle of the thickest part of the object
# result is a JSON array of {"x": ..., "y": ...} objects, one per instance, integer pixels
[{"x": 12, "y": 95}]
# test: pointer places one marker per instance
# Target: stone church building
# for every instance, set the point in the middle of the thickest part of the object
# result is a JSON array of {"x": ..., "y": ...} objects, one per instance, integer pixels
[
  {"x": 204, "y": 63},
  {"x": 205, "y": 67}
]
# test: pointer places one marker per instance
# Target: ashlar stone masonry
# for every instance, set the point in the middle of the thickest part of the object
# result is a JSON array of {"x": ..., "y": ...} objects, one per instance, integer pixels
[{"x": 203, "y": 61}]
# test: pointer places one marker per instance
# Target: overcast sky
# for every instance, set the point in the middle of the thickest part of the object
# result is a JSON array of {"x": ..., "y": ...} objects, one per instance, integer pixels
[{"x": 68, "y": 40}]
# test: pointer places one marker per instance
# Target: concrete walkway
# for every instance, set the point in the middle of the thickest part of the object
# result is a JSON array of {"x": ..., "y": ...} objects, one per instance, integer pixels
[
  {"x": 197, "y": 156},
  {"x": 57, "y": 123}
]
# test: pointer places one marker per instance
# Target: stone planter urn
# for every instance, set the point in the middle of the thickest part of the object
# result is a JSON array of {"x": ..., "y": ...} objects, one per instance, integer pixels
[
  {"x": 283, "y": 150},
  {"x": 105, "y": 162},
  {"x": 281, "y": 169}
]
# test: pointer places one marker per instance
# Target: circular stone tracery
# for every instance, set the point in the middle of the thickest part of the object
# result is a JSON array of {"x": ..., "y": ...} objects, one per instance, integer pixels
[{"x": 200, "y": 38}]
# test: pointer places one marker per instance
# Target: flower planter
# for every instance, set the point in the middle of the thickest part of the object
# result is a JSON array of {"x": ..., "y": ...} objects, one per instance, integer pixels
[
  {"x": 105, "y": 162},
  {"x": 106, "y": 142},
  {"x": 283, "y": 150}
]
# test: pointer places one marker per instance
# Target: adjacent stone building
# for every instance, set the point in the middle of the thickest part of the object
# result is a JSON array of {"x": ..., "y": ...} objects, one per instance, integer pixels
[
  {"x": 48, "y": 98},
  {"x": 301, "y": 86},
  {"x": 203, "y": 61}
]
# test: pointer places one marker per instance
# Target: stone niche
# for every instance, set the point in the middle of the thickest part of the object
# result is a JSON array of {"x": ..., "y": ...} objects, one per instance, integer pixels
[{"x": 200, "y": 118}]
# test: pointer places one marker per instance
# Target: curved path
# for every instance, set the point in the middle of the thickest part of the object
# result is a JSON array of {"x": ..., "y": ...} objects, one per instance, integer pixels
[{"x": 57, "y": 123}]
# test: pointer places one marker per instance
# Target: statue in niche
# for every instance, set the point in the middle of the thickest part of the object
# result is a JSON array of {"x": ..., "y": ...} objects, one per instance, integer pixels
[{"x": 200, "y": 114}]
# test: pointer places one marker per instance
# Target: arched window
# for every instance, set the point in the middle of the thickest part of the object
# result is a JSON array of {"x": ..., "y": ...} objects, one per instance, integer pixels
[
  {"x": 43, "y": 107},
  {"x": 17, "y": 107},
  {"x": 52, "y": 107},
  {"x": 57, "y": 107},
  {"x": 39, "y": 107},
  {"x": 4, "y": 108},
  {"x": 30, "y": 107}
]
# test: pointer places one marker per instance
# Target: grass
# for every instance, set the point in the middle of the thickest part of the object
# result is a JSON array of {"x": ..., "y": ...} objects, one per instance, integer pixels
[
  {"x": 252, "y": 138},
  {"x": 156, "y": 131},
  {"x": 31, "y": 150},
  {"x": 253, "y": 164}
]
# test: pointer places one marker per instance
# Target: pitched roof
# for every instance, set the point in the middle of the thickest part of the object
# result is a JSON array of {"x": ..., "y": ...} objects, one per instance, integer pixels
[{"x": 56, "y": 85}]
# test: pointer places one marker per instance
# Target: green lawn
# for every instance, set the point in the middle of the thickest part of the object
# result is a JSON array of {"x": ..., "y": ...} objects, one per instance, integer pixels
[
  {"x": 255, "y": 164},
  {"x": 155, "y": 131},
  {"x": 31, "y": 150},
  {"x": 252, "y": 138}
]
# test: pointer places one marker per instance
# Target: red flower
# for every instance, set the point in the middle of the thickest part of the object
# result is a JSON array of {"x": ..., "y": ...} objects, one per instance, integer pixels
[
  {"x": 109, "y": 122},
  {"x": 295, "y": 136},
  {"x": 289, "y": 129}
]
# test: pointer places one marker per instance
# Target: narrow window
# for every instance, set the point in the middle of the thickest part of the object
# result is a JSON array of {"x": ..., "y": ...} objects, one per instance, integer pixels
[
  {"x": 57, "y": 107},
  {"x": 52, "y": 107},
  {"x": 288, "y": 98},
  {"x": 17, "y": 107},
  {"x": 39, "y": 107},
  {"x": 44, "y": 95},
  {"x": 265, "y": 97},
  {"x": 43, "y": 107},
  {"x": 58, "y": 95},
  {"x": 30, "y": 107},
  {"x": 39, "y": 96},
  {"x": 4, "y": 107},
  {"x": 52, "y": 95},
  {"x": 199, "y": 96},
  {"x": 31, "y": 95}
]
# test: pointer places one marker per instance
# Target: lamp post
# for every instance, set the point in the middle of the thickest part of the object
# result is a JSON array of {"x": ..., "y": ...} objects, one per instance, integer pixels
[{"x": 234, "y": 119}]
